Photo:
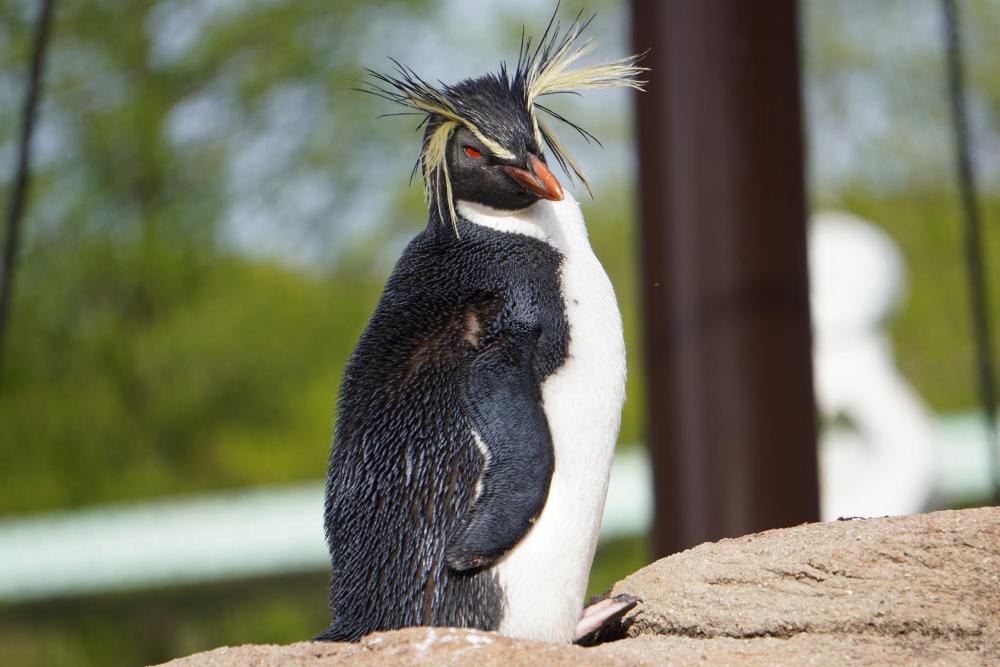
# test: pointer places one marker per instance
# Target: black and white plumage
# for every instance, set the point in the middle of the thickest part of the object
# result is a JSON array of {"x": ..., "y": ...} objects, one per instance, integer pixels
[{"x": 479, "y": 412}]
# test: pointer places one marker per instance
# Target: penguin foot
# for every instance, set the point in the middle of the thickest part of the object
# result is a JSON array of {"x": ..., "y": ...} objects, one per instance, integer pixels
[{"x": 601, "y": 621}]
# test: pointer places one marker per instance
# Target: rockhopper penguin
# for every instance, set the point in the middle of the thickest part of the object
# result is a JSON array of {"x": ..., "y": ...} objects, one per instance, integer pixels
[{"x": 479, "y": 412}]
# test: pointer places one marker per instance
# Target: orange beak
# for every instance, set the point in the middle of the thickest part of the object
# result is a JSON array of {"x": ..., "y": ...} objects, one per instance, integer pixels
[{"x": 537, "y": 178}]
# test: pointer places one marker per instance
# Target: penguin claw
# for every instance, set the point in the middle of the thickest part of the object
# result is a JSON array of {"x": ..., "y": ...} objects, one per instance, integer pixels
[{"x": 602, "y": 620}]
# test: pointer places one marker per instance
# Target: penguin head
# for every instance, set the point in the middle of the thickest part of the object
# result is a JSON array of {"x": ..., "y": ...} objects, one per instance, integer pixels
[
  {"x": 508, "y": 184},
  {"x": 483, "y": 139},
  {"x": 504, "y": 167}
]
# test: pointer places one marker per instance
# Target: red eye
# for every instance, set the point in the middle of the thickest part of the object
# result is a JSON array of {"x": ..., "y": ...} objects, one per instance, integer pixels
[{"x": 472, "y": 152}]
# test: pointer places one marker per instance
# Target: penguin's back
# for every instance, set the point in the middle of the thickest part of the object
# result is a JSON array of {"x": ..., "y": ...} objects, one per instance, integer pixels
[{"x": 405, "y": 464}]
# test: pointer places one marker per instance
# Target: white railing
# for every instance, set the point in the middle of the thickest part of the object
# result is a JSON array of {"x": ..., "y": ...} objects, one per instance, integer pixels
[{"x": 279, "y": 530}]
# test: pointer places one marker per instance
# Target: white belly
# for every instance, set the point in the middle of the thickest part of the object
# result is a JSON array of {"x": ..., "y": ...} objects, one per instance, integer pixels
[{"x": 545, "y": 575}]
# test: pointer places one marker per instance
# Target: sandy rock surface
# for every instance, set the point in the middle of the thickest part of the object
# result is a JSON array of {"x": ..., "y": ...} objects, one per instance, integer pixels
[{"x": 902, "y": 590}]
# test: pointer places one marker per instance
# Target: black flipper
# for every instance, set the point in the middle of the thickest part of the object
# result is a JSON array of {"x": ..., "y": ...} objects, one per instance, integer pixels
[{"x": 504, "y": 406}]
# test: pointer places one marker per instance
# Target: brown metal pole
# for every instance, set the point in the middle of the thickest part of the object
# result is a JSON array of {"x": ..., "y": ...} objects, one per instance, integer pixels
[{"x": 732, "y": 419}]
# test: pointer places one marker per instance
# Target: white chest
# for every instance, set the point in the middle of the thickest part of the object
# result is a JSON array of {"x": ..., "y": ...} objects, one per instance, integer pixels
[{"x": 545, "y": 576}]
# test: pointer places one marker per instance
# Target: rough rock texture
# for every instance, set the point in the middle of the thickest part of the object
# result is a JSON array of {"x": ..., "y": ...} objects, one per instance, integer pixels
[
  {"x": 902, "y": 590},
  {"x": 924, "y": 587}
]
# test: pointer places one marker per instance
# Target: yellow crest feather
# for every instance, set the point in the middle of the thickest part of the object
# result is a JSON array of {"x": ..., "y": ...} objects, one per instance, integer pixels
[
  {"x": 547, "y": 71},
  {"x": 435, "y": 165}
]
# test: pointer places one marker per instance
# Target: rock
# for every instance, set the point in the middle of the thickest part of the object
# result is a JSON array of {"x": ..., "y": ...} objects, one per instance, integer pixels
[
  {"x": 923, "y": 587},
  {"x": 411, "y": 646},
  {"x": 905, "y": 590}
]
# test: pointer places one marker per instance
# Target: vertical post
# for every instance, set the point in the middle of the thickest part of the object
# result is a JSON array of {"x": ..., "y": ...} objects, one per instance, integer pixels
[
  {"x": 22, "y": 175},
  {"x": 975, "y": 260},
  {"x": 732, "y": 418}
]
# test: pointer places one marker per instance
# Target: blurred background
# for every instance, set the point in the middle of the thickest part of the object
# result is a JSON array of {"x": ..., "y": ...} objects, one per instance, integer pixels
[{"x": 213, "y": 213}]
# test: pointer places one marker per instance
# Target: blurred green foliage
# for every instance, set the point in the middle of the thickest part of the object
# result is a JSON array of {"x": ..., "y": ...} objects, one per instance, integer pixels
[
  {"x": 215, "y": 376},
  {"x": 932, "y": 331},
  {"x": 158, "y": 625},
  {"x": 882, "y": 147}
]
